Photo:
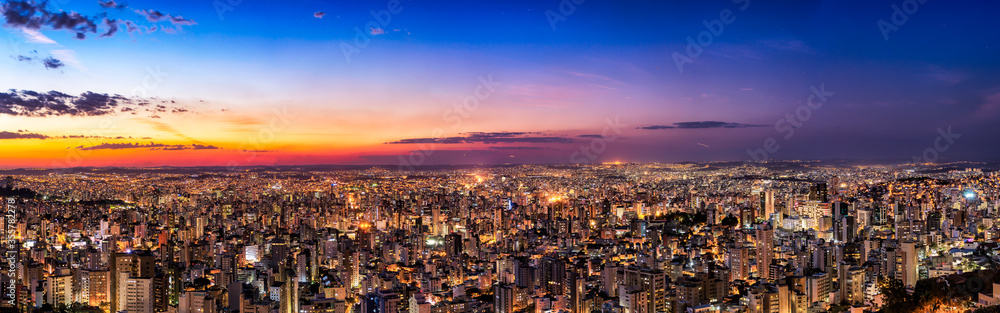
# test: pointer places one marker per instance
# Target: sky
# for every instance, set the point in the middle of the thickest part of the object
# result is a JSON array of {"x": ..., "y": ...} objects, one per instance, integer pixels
[{"x": 408, "y": 83}]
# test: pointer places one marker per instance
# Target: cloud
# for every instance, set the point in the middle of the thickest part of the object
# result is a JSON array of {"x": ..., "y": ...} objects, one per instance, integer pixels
[
  {"x": 163, "y": 127},
  {"x": 319, "y": 14},
  {"x": 21, "y": 135},
  {"x": 112, "y": 26},
  {"x": 377, "y": 31},
  {"x": 699, "y": 125},
  {"x": 149, "y": 146},
  {"x": 157, "y": 16},
  {"x": 131, "y": 27},
  {"x": 515, "y": 148},
  {"x": 54, "y": 103},
  {"x": 52, "y": 63},
  {"x": 34, "y": 36},
  {"x": 69, "y": 57},
  {"x": 25, "y": 134},
  {"x": 111, "y": 4},
  {"x": 32, "y": 16},
  {"x": 488, "y": 138}
]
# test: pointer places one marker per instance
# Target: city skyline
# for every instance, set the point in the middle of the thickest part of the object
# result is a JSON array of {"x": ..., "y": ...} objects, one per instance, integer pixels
[{"x": 229, "y": 83}]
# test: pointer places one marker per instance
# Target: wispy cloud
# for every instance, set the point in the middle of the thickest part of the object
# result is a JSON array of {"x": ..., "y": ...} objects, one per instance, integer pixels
[
  {"x": 21, "y": 135},
  {"x": 68, "y": 57},
  {"x": 489, "y": 138},
  {"x": 148, "y": 146},
  {"x": 699, "y": 125},
  {"x": 163, "y": 127},
  {"x": 24, "y": 134},
  {"x": 35, "y": 36}
]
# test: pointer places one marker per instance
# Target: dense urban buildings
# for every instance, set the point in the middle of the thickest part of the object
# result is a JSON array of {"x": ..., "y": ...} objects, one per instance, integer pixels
[{"x": 624, "y": 238}]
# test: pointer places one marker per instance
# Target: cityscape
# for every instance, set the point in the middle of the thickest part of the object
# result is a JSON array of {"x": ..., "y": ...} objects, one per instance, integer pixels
[
  {"x": 499, "y": 156},
  {"x": 615, "y": 237}
]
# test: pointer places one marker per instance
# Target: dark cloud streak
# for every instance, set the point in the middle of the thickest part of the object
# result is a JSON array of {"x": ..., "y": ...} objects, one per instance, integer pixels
[
  {"x": 54, "y": 103},
  {"x": 149, "y": 146},
  {"x": 700, "y": 125},
  {"x": 489, "y": 138},
  {"x": 21, "y": 135}
]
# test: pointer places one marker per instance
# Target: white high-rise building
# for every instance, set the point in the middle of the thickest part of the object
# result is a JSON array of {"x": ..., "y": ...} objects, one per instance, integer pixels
[
  {"x": 139, "y": 295},
  {"x": 60, "y": 289}
]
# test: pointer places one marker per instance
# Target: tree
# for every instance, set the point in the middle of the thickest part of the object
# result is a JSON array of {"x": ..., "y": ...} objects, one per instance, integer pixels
[
  {"x": 895, "y": 296},
  {"x": 730, "y": 221}
]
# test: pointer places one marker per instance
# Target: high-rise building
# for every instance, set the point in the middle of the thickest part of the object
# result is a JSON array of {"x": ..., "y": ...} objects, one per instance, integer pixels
[
  {"x": 94, "y": 287},
  {"x": 738, "y": 260},
  {"x": 768, "y": 202},
  {"x": 124, "y": 266},
  {"x": 633, "y": 300},
  {"x": 192, "y": 301},
  {"x": 906, "y": 263},
  {"x": 764, "y": 239},
  {"x": 453, "y": 245},
  {"x": 139, "y": 295},
  {"x": 574, "y": 290},
  {"x": 818, "y": 192},
  {"x": 852, "y": 283},
  {"x": 60, "y": 288},
  {"x": 653, "y": 282},
  {"x": 503, "y": 298}
]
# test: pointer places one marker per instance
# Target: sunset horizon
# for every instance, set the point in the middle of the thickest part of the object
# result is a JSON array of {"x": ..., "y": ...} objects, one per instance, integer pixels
[{"x": 176, "y": 84}]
